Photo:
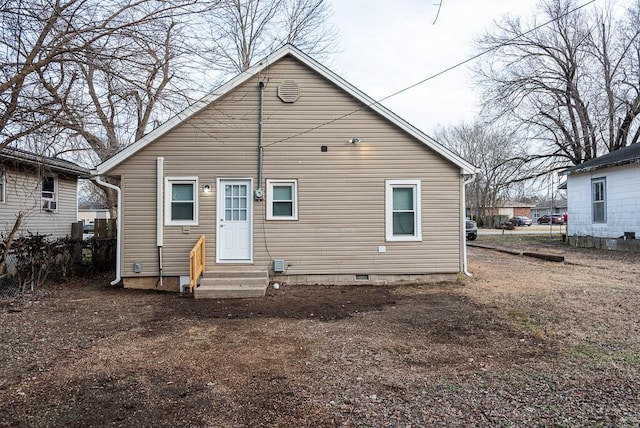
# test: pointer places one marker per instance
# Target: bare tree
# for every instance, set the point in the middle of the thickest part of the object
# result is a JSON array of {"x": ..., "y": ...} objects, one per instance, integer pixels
[
  {"x": 89, "y": 75},
  {"x": 572, "y": 84},
  {"x": 39, "y": 37},
  {"x": 241, "y": 31},
  {"x": 498, "y": 154},
  {"x": 96, "y": 76}
]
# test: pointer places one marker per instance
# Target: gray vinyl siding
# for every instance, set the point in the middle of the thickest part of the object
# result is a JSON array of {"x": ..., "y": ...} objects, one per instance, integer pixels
[
  {"x": 23, "y": 193},
  {"x": 341, "y": 193}
]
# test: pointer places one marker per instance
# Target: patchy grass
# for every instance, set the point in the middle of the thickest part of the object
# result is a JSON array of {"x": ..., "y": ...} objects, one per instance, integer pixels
[{"x": 523, "y": 343}]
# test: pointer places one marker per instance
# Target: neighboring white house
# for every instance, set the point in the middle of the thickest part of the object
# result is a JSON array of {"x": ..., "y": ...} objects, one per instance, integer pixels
[
  {"x": 88, "y": 212},
  {"x": 604, "y": 195},
  {"x": 45, "y": 189}
]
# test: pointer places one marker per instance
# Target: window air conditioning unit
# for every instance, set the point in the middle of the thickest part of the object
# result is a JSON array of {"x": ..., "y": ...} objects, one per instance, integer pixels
[
  {"x": 278, "y": 266},
  {"x": 49, "y": 205}
]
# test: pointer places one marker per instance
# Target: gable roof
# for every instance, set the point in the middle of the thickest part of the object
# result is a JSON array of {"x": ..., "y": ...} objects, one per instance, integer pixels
[
  {"x": 290, "y": 50},
  {"x": 626, "y": 155},
  {"x": 24, "y": 157}
]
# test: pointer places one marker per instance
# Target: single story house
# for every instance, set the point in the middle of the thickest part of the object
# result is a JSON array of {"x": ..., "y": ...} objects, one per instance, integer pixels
[
  {"x": 514, "y": 208},
  {"x": 557, "y": 206},
  {"x": 45, "y": 189},
  {"x": 290, "y": 174},
  {"x": 88, "y": 212},
  {"x": 604, "y": 195},
  {"x": 500, "y": 213}
]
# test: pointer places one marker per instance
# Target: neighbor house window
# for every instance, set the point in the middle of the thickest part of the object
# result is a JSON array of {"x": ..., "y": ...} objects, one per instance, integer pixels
[
  {"x": 2, "y": 186},
  {"x": 181, "y": 201},
  {"x": 49, "y": 194},
  {"x": 402, "y": 210},
  {"x": 599, "y": 200},
  {"x": 282, "y": 200}
]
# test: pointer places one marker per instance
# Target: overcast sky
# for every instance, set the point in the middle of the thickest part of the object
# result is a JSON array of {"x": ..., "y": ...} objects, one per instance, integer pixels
[{"x": 387, "y": 45}]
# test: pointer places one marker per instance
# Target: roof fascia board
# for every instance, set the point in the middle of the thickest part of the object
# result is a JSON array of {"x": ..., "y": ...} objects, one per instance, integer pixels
[
  {"x": 50, "y": 163},
  {"x": 104, "y": 167},
  {"x": 599, "y": 167}
]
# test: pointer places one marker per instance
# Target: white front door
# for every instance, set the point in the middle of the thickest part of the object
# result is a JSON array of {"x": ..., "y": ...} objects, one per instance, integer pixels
[{"x": 234, "y": 236}]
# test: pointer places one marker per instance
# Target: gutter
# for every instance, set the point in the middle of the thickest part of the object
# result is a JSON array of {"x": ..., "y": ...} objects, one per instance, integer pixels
[
  {"x": 259, "y": 192},
  {"x": 463, "y": 229},
  {"x": 118, "y": 191},
  {"x": 159, "y": 212}
]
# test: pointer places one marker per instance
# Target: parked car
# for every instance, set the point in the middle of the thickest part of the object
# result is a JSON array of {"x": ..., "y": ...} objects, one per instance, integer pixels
[
  {"x": 555, "y": 219},
  {"x": 472, "y": 229},
  {"x": 521, "y": 220},
  {"x": 87, "y": 231}
]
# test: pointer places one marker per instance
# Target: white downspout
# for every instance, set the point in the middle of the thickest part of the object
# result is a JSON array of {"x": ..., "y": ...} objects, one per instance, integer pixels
[
  {"x": 118, "y": 227},
  {"x": 159, "y": 211},
  {"x": 465, "y": 266}
]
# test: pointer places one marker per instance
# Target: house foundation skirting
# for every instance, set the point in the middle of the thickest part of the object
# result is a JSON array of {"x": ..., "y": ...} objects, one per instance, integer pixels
[
  {"x": 169, "y": 283},
  {"x": 364, "y": 279},
  {"x": 172, "y": 283},
  {"x": 611, "y": 244}
]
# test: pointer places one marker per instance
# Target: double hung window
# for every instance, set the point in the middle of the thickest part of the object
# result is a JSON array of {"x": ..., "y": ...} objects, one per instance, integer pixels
[
  {"x": 402, "y": 210},
  {"x": 2, "y": 187},
  {"x": 282, "y": 200},
  {"x": 181, "y": 201},
  {"x": 49, "y": 193},
  {"x": 599, "y": 200}
]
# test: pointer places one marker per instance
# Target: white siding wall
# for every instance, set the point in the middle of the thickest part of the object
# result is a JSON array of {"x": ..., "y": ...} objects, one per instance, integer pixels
[
  {"x": 23, "y": 193},
  {"x": 622, "y": 202}
]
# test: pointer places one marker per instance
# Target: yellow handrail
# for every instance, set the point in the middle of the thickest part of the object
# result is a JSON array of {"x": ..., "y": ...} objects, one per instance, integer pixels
[{"x": 196, "y": 262}]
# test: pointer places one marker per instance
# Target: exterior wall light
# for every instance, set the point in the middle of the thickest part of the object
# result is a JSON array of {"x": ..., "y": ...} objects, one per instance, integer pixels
[
  {"x": 206, "y": 188},
  {"x": 354, "y": 140}
]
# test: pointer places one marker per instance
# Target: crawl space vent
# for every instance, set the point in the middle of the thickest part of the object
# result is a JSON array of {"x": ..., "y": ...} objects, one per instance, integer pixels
[
  {"x": 278, "y": 266},
  {"x": 289, "y": 91}
]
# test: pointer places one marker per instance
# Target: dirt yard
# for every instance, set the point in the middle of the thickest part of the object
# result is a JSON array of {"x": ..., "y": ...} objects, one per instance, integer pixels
[{"x": 523, "y": 343}]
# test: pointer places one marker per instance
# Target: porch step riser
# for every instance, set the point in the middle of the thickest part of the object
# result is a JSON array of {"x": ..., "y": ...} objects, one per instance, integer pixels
[
  {"x": 235, "y": 274},
  {"x": 233, "y": 282},
  {"x": 228, "y": 292}
]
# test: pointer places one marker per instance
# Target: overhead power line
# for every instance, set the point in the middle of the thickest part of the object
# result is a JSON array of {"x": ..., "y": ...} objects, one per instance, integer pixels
[{"x": 433, "y": 76}]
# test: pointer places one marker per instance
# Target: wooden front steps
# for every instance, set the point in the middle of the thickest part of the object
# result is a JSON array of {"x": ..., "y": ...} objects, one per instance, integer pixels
[{"x": 237, "y": 283}]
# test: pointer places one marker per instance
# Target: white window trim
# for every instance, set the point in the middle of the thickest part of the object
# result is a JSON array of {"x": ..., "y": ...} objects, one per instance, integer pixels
[
  {"x": 55, "y": 193},
  {"x": 294, "y": 194},
  {"x": 168, "y": 181},
  {"x": 3, "y": 187},
  {"x": 389, "y": 186},
  {"x": 602, "y": 180}
]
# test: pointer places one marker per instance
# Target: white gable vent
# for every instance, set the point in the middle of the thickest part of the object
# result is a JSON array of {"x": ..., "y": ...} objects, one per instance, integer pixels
[{"x": 289, "y": 91}]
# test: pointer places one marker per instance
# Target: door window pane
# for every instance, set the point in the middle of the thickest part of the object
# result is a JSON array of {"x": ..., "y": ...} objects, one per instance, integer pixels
[{"x": 235, "y": 202}]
